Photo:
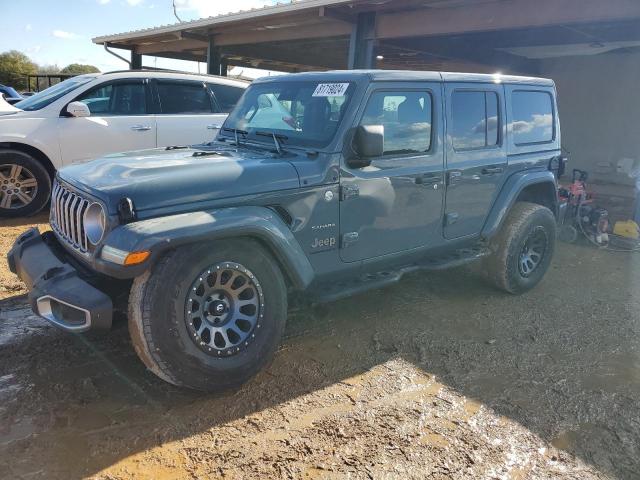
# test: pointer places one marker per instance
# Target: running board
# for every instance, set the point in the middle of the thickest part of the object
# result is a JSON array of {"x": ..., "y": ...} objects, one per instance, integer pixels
[{"x": 371, "y": 281}]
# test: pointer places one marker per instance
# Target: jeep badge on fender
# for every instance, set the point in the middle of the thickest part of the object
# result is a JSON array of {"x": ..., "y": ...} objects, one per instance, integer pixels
[{"x": 360, "y": 176}]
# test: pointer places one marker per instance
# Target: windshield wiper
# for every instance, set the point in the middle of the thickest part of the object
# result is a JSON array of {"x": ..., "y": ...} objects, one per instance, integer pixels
[
  {"x": 236, "y": 132},
  {"x": 277, "y": 138}
]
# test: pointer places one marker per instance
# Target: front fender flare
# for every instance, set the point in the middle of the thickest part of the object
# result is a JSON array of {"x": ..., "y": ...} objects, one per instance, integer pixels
[
  {"x": 507, "y": 197},
  {"x": 159, "y": 235}
]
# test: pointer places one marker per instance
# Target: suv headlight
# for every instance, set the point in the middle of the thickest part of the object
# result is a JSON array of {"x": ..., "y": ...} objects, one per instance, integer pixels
[{"x": 95, "y": 222}]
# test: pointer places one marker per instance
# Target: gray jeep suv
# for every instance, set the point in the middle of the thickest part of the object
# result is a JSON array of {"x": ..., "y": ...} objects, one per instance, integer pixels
[{"x": 324, "y": 184}]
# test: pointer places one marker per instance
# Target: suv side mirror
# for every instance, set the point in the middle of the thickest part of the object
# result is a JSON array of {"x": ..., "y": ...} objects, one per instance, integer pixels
[
  {"x": 368, "y": 142},
  {"x": 78, "y": 109}
]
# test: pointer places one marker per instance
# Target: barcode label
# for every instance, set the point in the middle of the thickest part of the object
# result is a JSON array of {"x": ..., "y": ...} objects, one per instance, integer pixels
[{"x": 331, "y": 90}]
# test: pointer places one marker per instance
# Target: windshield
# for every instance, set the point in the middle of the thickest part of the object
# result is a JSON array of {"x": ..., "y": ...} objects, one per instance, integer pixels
[
  {"x": 300, "y": 113},
  {"x": 51, "y": 94}
]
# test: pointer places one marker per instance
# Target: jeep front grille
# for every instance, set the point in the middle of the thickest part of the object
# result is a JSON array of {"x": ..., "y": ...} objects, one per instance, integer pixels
[{"x": 67, "y": 216}]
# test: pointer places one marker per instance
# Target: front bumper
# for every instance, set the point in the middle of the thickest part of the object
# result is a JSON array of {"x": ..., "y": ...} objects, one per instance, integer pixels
[{"x": 56, "y": 290}]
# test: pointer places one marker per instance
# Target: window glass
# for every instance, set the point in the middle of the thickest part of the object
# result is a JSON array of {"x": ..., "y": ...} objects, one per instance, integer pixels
[
  {"x": 492, "y": 118},
  {"x": 532, "y": 117},
  {"x": 184, "y": 97},
  {"x": 475, "y": 120},
  {"x": 116, "y": 99},
  {"x": 51, "y": 94},
  {"x": 406, "y": 117},
  {"x": 226, "y": 95},
  {"x": 302, "y": 113},
  {"x": 469, "y": 117}
]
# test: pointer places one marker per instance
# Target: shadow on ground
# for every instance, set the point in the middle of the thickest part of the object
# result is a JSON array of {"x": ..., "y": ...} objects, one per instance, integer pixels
[{"x": 437, "y": 376}]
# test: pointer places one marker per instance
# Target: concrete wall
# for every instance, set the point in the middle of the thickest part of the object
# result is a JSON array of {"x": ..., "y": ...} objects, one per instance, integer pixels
[{"x": 599, "y": 103}]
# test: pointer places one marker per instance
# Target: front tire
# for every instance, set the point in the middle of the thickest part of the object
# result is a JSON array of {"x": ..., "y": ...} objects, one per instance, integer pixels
[
  {"x": 25, "y": 184},
  {"x": 522, "y": 251},
  {"x": 209, "y": 317}
]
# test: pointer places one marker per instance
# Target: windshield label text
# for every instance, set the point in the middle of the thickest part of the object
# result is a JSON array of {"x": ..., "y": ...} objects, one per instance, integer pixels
[{"x": 331, "y": 90}]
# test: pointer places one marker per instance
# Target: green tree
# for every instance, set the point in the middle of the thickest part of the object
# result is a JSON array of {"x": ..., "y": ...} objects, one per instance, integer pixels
[
  {"x": 79, "y": 69},
  {"x": 14, "y": 68}
]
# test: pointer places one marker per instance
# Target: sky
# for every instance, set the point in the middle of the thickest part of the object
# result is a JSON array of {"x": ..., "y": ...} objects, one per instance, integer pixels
[{"x": 60, "y": 32}]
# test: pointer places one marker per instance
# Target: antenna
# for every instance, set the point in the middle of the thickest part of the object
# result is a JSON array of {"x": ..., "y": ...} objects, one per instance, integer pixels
[{"x": 175, "y": 11}]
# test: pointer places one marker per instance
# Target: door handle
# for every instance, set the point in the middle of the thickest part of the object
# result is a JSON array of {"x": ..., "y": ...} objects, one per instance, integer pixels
[
  {"x": 454, "y": 177},
  {"x": 213, "y": 127},
  {"x": 428, "y": 179},
  {"x": 140, "y": 128},
  {"x": 492, "y": 170}
]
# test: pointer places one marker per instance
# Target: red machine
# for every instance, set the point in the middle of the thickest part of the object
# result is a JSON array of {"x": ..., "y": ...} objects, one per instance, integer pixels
[{"x": 578, "y": 212}]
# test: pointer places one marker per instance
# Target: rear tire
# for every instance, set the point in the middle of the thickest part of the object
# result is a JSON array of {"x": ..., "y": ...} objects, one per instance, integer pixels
[
  {"x": 184, "y": 296},
  {"x": 25, "y": 184},
  {"x": 522, "y": 251}
]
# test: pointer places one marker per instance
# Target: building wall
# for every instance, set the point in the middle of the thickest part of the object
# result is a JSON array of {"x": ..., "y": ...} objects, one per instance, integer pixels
[{"x": 599, "y": 104}]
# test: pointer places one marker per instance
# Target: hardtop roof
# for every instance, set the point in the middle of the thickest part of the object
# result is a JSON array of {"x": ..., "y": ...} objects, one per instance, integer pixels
[{"x": 409, "y": 75}]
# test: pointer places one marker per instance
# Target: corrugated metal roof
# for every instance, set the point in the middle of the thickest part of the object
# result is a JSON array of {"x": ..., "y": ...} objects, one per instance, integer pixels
[{"x": 292, "y": 6}]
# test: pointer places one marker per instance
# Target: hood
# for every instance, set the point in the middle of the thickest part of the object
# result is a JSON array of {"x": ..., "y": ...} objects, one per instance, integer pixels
[
  {"x": 6, "y": 109},
  {"x": 187, "y": 177}
]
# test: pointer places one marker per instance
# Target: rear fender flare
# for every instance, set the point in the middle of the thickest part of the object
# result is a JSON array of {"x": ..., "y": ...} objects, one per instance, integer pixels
[
  {"x": 510, "y": 192},
  {"x": 160, "y": 235}
]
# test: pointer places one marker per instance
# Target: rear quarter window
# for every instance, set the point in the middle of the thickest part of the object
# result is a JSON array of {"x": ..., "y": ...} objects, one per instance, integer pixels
[{"x": 532, "y": 117}]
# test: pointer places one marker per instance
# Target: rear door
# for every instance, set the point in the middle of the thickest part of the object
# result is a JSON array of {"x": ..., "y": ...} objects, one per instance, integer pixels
[
  {"x": 395, "y": 204},
  {"x": 120, "y": 121},
  {"x": 187, "y": 114},
  {"x": 476, "y": 155}
]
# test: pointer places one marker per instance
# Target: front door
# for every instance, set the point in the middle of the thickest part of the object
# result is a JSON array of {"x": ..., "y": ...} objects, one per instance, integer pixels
[
  {"x": 395, "y": 204},
  {"x": 476, "y": 155},
  {"x": 119, "y": 122}
]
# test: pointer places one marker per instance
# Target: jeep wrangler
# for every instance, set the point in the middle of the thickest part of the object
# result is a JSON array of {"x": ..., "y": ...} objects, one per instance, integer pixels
[{"x": 318, "y": 184}]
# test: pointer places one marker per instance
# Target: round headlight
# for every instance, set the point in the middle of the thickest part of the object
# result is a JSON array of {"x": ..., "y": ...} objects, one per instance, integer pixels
[{"x": 95, "y": 221}]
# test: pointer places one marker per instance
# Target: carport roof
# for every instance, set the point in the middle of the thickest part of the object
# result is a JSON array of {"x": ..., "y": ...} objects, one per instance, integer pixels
[
  {"x": 254, "y": 13},
  {"x": 467, "y": 35}
]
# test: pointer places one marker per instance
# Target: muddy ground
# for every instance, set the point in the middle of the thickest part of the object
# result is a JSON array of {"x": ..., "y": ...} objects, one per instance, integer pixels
[{"x": 439, "y": 376}]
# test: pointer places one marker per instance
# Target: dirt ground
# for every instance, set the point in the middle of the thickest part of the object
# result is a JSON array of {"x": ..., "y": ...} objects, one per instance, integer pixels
[
  {"x": 439, "y": 376},
  {"x": 10, "y": 285}
]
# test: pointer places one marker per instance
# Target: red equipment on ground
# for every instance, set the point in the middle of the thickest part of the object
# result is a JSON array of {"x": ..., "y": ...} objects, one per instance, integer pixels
[{"x": 579, "y": 214}]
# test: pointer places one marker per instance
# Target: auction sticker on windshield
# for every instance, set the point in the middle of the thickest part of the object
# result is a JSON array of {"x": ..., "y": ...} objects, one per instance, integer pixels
[{"x": 331, "y": 90}]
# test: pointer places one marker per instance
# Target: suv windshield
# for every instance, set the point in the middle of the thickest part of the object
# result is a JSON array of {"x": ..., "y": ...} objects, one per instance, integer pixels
[
  {"x": 304, "y": 113},
  {"x": 51, "y": 94}
]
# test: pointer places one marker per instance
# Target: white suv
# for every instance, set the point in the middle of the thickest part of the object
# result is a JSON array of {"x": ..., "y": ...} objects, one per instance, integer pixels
[{"x": 89, "y": 116}]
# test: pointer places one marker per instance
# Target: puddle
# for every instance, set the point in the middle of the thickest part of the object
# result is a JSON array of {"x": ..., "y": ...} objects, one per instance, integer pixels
[
  {"x": 19, "y": 430},
  {"x": 565, "y": 440}
]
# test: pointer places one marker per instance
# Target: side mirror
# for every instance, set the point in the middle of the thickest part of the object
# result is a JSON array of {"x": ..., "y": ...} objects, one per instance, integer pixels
[
  {"x": 78, "y": 109},
  {"x": 368, "y": 142}
]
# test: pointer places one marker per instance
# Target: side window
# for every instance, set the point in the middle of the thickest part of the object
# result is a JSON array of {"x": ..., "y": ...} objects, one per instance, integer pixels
[
  {"x": 121, "y": 98},
  {"x": 226, "y": 95},
  {"x": 475, "y": 120},
  {"x": 532, "y": 117},
  {"x": 406, "y": 117},
  {"x": 183, "y": 97}
]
